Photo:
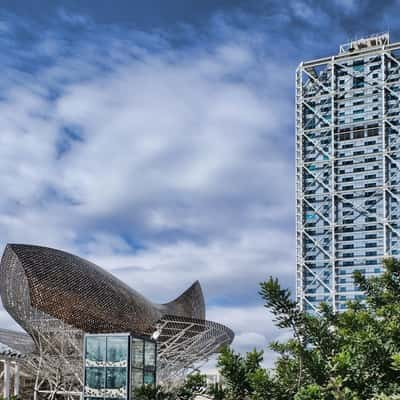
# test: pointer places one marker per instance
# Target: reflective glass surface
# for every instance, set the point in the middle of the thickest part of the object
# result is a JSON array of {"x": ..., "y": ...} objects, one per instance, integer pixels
[
  {"x": 116, "y": 378},
  {"x": 107, "y": 364},
  {"x": 149, "y": 378},
  {"x": 95, "y": 377},
  {"x": 137, "y": 378},
  {"x": 96, "y": 348},
  {"x": 117, "y": 349},
  {"x": 137, "y": 353},
  {"x": 150, "y": 354}
]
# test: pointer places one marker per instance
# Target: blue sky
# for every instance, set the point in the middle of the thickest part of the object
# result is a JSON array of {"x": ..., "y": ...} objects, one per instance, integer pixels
[{"x": 156, "y": 138}]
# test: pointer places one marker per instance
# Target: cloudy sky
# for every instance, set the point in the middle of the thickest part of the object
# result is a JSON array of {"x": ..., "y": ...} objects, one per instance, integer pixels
[{"x": 156, "y": 138}]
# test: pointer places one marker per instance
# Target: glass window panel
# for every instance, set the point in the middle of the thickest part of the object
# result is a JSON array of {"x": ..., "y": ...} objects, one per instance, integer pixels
[
  {"x": 116, "y": 378},
  {"x": 137, "y": 378},
  {"x": 150, "y": 354},
  {"x": 95, "y": 377},
  {"x": 149, "y": 378},
  {"x": 117, "y": 349},
  {"x": 95, "y": 348},
  {"x": 137, "y": 353}
]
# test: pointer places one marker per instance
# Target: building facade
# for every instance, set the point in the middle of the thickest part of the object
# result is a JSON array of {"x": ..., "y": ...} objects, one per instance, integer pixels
[
  {"x": 116, "y": 365},
  {"x": 347, "y": 169}
]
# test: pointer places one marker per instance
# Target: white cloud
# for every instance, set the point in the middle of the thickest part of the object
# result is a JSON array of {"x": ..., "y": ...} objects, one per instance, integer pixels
[
  {"x": 254, "y": 328},
  {"x": 162, "y": 166},
  {"x": 7, "y": 322},
  {"x": 167, "y": 138},
  {"x": 229, "y": 269},
  {"x": 73, "y": 19}
]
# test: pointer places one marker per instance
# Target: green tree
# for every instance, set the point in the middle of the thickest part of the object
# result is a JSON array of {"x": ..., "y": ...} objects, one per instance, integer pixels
[
  {"x": 151, "y": 392},
  {"x": 194, "y": 384},
  {"x": 244, "y": 377},
  {"x": 354, "y": 355},
  {"x": 217, "y": 392},
  {"x": 310, "y": 392}
]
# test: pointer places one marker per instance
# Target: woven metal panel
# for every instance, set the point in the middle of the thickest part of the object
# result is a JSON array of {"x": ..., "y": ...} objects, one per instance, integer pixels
[
  {"x": 15, "y": 293},
  {"x": 82, "y": 294}
]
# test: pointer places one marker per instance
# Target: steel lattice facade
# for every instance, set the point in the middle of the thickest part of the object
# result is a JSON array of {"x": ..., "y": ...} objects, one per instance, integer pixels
[{"x": 347, "y": 169}]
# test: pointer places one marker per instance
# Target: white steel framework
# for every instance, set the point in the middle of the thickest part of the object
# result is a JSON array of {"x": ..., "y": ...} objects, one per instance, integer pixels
[
  {"x": 55, "y": 368},
  {"x": 347, "y": 169}
]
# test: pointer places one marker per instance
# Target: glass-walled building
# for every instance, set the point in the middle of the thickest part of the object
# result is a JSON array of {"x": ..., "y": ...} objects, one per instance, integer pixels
[
  {"x": 348, "y": 169},
  {"x": 116, "y": 364}
]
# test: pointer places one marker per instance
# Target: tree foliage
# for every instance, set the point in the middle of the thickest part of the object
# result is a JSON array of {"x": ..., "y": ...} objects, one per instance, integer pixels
[
  {"x": 194, "y": 384},
  {"x": 243, "y": 376},
  {"x": 151, "y": 392},
  {"x": 354, "y": 355}
]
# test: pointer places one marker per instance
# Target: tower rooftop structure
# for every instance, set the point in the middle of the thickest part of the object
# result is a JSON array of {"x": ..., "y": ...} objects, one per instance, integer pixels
[{"x": 375, "y": 40}]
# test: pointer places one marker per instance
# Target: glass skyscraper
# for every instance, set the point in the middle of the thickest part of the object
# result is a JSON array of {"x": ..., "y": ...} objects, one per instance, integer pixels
[{"x": 347, "y": 169}]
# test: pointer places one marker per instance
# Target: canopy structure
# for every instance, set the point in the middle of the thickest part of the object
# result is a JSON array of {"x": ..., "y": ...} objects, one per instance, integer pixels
[{"x": 57, "y": 297}]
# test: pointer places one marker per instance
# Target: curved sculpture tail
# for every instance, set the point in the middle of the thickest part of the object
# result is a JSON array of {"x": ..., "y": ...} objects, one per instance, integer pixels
[{"x": 189, "y": 303}]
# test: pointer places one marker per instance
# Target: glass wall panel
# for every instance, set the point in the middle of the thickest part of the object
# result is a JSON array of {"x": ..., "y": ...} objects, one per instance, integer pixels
[
  {"x": 117, "y": 364},
  {"x": 137, "y": 378},
  {"x": 137, "y": 353},
  {"x": 116, "y": 378},
  {"x": 117, "y": 351},
  {"x": 95, "y": 350},
  {"x": 95, "y": 378},
  {"x": 106, "y": 366},
  {"x": 149, "y": 378},
  {"x": 150, "y": 354},
  {"x": 117, "y": 367}
]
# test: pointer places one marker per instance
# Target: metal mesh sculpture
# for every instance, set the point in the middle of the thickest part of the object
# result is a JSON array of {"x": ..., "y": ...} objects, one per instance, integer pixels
[{"x": 56, "y": 297}]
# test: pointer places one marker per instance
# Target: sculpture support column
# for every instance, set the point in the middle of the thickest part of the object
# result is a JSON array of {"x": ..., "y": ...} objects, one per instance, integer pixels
[
  {"x": 16, "y": 380},
  {"x": 7, "y": 372}
]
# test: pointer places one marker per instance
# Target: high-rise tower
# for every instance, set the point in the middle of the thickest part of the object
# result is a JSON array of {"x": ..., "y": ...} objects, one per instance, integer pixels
[{"x": 348, "y": 168}]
